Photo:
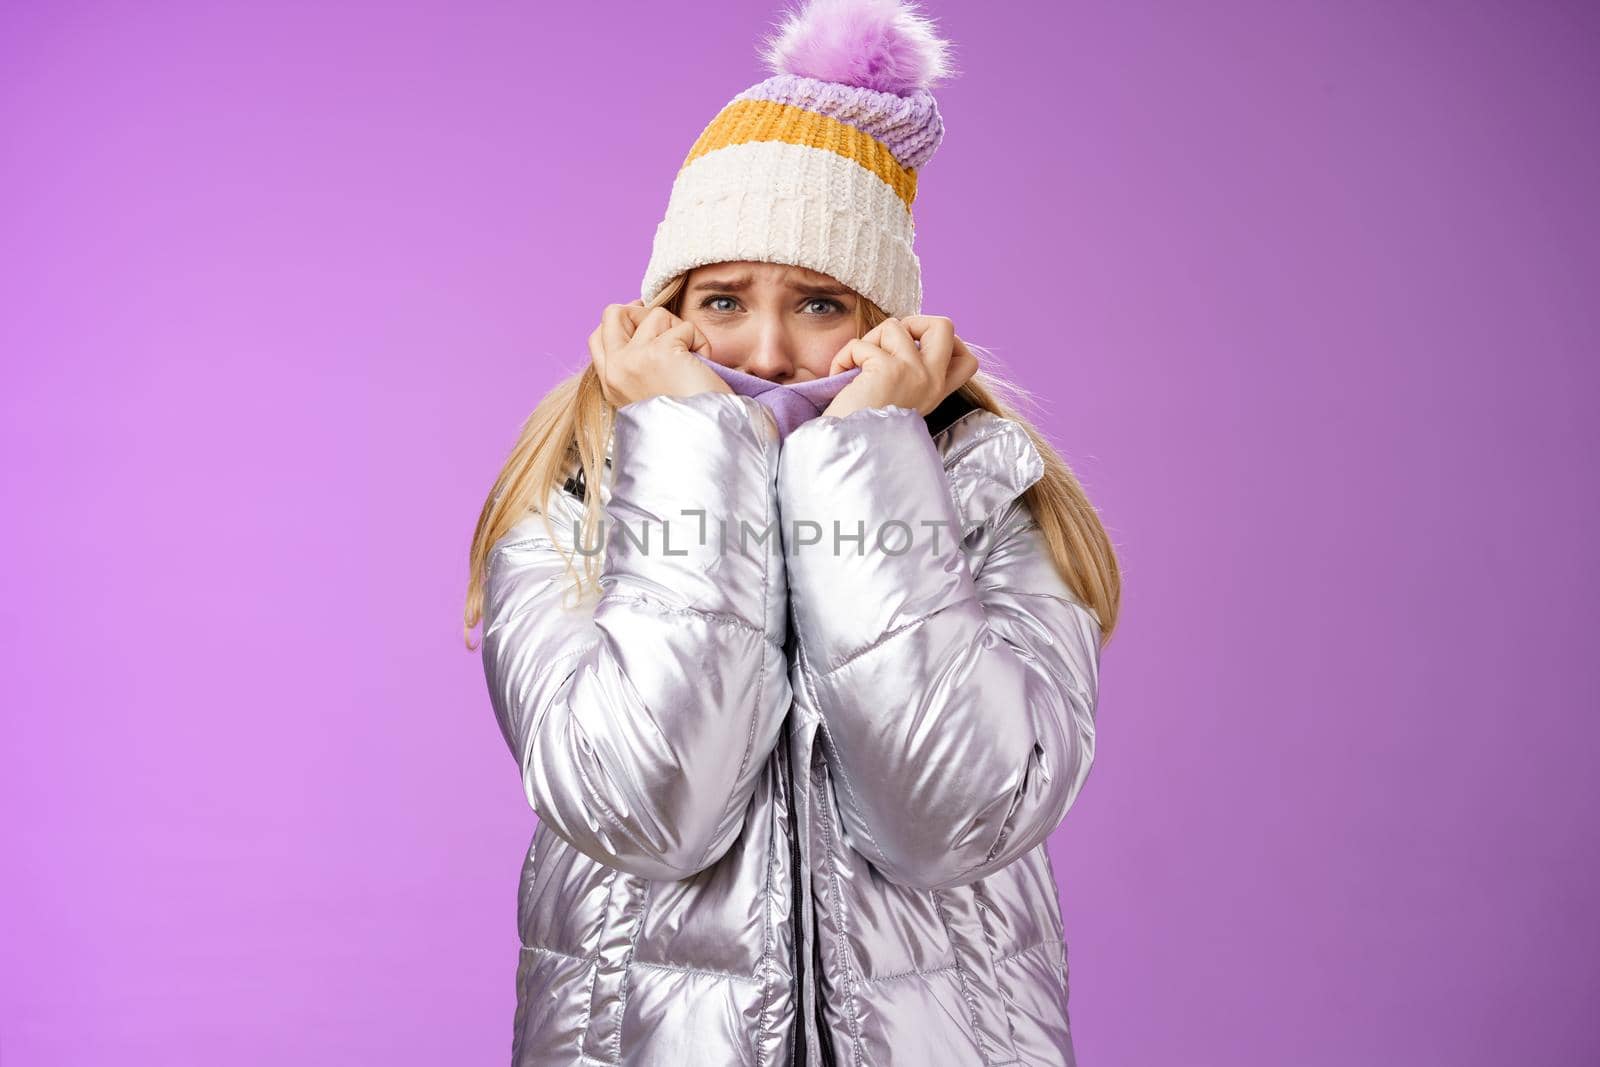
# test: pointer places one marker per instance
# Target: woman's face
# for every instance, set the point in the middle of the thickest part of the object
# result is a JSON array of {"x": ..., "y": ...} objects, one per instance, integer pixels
[{"x": 778, "y": 322}]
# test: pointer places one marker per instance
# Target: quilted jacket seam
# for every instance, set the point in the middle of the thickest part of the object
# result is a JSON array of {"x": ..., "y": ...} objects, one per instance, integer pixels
[
  {"x": 764, "y": 965},
  {"x": 842, "y": 945},
  {"x": 627, "y": 965},
  {"x": 966, "y": 986},
  {"x": 660, "y": 607},
  {"x": 722, "y": 617},
  {"x": 558, "y": 953},
  {"x": 675, "y": 968},
  {"x": 594, "y": 972},
  {"x": 916, "y": 972},
  {"x": 649, "y": 965},
  {"x": 885, "y": 638},
  {"x": 835, "y": 768}
]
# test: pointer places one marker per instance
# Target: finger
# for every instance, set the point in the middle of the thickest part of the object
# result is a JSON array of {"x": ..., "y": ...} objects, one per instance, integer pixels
[
  {"x": 857, "y": 353},
  {"x": 963, "y": 365},
  {"x": 655, "y": 322},
  {"x": 919, "y": 324},
  {"x": 937, "y": 332},
  {"x": 935, "y": 326},
  {"x": 631, "y": 317},
  {"x": 597, "y": 356},
  {"x": 688, "y": 335},
  {"x": 897, "y": 339},
  {"x": 937, "y": 336},
  {"x": 961, "y": 348},
  {"x": 923, "y": 327},
  {"x": 697, "y": 341},
  {"x": 615, "y": 329},
  {"x": 635, "y": 312},
  {"x": 842, "y": 360}
]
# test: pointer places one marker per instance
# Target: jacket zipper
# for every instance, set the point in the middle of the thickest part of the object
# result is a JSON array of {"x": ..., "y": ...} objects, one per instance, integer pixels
[
  {"x": 800, "y": 926},
  {"x": 825, "y": 1053}
]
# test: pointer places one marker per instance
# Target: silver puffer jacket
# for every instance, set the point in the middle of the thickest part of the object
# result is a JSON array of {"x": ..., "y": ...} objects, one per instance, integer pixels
[{"x": 793, "y": 793}]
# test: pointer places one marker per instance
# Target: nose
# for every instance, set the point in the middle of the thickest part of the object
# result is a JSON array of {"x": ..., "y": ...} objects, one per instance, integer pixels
[{"x": 771, "y": 354}]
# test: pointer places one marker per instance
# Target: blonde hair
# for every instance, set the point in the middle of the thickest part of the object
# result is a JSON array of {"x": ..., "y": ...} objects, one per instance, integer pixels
[{"x": 574, "y": 421}]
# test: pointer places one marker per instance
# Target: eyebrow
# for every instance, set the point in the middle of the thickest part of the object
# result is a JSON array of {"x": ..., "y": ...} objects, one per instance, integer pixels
[{"x": 740, "y": 284}]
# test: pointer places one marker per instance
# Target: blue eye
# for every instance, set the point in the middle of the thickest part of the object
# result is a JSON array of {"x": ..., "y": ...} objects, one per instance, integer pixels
[{"x": 829, "y": 305}]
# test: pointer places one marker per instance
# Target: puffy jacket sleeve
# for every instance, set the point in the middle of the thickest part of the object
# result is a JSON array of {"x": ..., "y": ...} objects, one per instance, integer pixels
[
  {"x": 641, "y": 720},
  {"x": 959, "y": 707}
]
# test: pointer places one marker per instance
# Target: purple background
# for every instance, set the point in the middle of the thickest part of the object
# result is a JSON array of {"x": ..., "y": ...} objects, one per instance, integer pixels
[{"x": 1308, "y": 293}]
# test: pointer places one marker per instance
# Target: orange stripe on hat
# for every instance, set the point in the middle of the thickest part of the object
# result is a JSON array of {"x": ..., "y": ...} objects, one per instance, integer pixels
[{"x": 746, "y": 121}]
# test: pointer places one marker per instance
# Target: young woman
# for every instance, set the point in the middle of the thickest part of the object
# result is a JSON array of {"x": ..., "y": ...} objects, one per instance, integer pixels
[{"x": 792, "y": 624}]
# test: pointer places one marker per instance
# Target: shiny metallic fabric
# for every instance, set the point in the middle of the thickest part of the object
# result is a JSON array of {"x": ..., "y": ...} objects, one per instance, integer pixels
[{"x": 793, "y": 796}]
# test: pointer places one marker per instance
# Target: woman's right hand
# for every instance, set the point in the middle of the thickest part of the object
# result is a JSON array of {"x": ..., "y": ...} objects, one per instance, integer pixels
[{"x": 641, "y": 352}]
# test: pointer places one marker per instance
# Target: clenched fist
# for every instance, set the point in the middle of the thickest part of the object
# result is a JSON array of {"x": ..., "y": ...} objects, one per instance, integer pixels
[
  {"x": 639, "y": 353},
  {"x": 914, "y": 362}
]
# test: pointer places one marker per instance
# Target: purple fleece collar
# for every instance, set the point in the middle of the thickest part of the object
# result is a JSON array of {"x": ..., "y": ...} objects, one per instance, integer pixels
[{"x": 791, "y": 405}]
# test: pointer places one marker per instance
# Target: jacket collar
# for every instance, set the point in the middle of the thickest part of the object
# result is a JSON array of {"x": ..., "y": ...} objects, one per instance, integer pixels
[{"x": 988, "y": 459}]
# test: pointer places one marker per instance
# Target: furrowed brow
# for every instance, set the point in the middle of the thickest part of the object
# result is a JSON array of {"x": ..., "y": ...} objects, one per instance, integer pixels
[
  {"x": 722, "y": 285},
  {"x": 819, "y": 290},
  {"x": 740, "y": 284}
]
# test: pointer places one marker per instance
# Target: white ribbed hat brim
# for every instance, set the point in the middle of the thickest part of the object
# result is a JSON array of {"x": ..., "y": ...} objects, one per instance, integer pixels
[{"x": 774, "y": 202}]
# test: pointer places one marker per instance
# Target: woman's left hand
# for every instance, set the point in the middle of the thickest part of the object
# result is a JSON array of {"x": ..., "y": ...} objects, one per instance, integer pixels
[{"x": 914, "y": 362}]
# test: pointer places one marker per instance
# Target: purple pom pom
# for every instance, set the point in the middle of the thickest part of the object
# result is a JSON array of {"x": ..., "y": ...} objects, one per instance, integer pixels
[{"x": 884, "y": 45}]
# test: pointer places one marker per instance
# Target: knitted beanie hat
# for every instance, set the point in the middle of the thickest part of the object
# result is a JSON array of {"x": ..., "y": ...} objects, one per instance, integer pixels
[{"x": 817, "y": 165}]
